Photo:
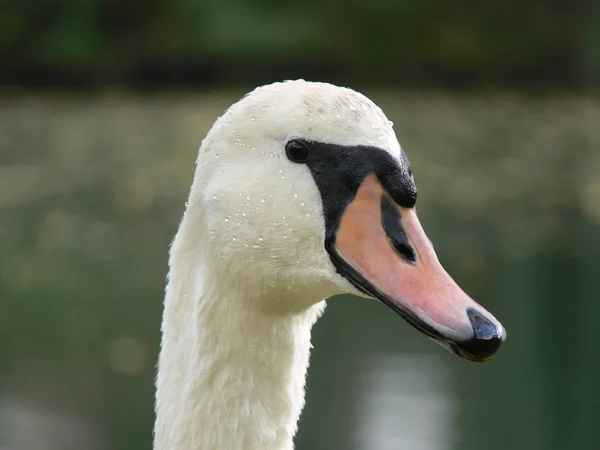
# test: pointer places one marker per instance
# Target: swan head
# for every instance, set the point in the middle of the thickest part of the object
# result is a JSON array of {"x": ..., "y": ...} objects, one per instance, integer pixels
[{"x": 302, "y": 191}]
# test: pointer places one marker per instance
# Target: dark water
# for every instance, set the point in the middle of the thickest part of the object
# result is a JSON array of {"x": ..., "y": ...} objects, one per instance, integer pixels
[{"x": 91, "y": 192}]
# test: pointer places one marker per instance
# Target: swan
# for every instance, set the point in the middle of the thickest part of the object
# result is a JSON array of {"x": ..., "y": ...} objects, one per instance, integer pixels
[{"x": 301, "y": 192}]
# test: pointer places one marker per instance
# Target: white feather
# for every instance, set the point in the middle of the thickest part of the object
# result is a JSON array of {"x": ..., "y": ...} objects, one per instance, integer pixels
[{"x": 248, "y": 270}]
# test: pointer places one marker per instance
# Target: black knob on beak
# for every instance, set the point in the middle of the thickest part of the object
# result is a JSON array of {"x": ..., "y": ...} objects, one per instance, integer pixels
[{"x": 486, "y": 338}]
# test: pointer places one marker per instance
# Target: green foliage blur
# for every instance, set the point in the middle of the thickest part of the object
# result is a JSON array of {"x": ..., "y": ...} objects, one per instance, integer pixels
[
  {"x": 157, "y": 42},
  {"x": 93, "y": 186}
]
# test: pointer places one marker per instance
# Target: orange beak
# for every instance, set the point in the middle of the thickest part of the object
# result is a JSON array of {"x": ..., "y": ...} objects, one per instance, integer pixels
[{"x": 382, "y": 249}]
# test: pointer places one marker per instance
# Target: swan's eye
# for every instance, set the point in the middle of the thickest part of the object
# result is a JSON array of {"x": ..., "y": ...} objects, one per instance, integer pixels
[{"x": 297, "y": 151}]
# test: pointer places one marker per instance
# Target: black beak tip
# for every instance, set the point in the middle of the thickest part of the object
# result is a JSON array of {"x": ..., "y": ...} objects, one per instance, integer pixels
[{"x": 486, "y": 340}]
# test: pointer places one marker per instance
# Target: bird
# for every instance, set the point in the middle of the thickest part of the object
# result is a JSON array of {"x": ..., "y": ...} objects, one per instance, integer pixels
[{"x": 301, "y": 191}]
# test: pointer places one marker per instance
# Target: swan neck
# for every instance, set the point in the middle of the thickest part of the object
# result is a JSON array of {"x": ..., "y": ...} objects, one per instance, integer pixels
[{"x": 229, "y": 376}]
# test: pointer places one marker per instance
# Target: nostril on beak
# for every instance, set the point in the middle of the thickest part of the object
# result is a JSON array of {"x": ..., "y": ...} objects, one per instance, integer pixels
[{"x": 486, "y": 339}]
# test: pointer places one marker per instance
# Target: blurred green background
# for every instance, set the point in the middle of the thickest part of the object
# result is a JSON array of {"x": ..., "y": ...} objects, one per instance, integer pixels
[{"x": 103, "y": 105}]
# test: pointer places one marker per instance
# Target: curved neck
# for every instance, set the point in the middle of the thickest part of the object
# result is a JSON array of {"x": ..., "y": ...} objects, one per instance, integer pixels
[{"x": 229, "y": 376}]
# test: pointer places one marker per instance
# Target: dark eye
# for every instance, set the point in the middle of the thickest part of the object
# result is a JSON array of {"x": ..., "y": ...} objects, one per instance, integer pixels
[{"x": 297, "y": 151}]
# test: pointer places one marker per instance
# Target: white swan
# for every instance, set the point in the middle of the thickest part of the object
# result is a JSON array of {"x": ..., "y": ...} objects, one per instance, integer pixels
[{"x": 301, "y": 191}]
